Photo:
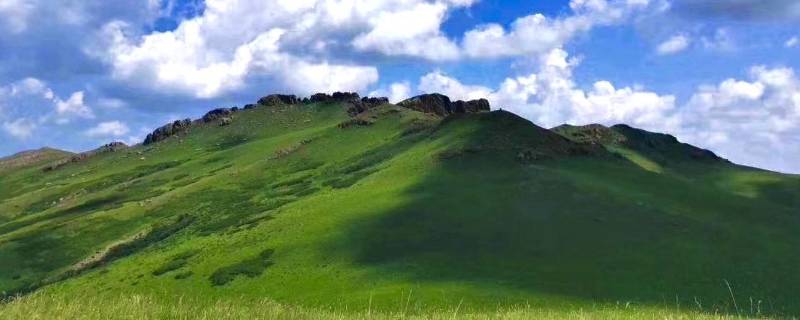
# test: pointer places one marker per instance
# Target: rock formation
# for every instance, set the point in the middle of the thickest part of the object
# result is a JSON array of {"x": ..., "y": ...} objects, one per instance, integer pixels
[
  {"x": 276, "y": 100},
  {"x": 167, "y": 131},
  {"x": 441, "y": 105}
]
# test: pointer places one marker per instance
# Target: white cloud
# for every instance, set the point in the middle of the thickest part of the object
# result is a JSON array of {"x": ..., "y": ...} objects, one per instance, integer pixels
[
  {"x": 216, "y": 53},
  {"x": 73, "y": 106},
  {"x": 397, "y": 92},
  {"x": 437, "y": 82},
  {"x": 673, "y": 45},
  {"x": 754, "y": 122},
  {"x": 14, "y": 14},
  {"x": 33, "y": 96},
  {"x": 550, "y": 97},
  {"x": 413, "y": 32},
  {"x": 20, "y": 128},
  {"x": 538, "y": 34},
  {"x": 108, "y": 129},
  {"x": 792, "y": 42}
]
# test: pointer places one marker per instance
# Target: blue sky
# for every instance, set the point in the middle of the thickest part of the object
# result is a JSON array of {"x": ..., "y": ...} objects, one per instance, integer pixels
[{"x": 720, "y": 74}]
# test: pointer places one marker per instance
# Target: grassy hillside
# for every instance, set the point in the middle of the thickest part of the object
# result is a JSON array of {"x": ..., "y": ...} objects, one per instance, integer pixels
[{"x": 401, "y": 212}]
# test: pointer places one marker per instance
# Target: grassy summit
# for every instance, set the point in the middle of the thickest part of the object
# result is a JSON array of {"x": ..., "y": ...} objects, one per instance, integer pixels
[{"x": 362, "y": 206}]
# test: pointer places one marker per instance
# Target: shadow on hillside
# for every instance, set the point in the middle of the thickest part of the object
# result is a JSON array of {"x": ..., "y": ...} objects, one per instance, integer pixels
[{"x": 486, "y": 220}]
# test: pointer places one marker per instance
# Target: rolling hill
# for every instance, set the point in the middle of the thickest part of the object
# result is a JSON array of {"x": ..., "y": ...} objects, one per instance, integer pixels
[{"x": 358, "y": 206}]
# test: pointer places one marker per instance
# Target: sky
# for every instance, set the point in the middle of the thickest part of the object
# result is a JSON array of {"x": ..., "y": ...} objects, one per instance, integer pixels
[{"x": 719, "y": 74}]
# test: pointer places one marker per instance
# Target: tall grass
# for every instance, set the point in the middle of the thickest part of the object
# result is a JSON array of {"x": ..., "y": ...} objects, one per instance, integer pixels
[{"x": 54, "y": 307}]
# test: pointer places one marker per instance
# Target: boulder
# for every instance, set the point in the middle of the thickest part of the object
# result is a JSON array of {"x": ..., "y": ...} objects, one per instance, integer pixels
[
  {"x": 216, "y": 114},
  {"x": 250, "y": 106},
  {"x": 225, "y": 121},
  {"x": 278, "y": 99},
  {"x": 167, "y": 131}
]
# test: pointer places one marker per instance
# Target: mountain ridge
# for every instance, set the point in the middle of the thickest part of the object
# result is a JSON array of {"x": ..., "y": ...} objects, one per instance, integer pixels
[{"x": 315, "y": 205}]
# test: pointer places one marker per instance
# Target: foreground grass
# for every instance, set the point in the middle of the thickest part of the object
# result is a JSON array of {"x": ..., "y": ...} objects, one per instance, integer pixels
[{"x": 42, "y": 306}]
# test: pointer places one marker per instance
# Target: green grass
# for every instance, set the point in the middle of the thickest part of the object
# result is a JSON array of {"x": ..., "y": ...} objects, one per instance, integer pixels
[
  {"x": 287, "y": 214},
  {"x": 143, "y": 307}
]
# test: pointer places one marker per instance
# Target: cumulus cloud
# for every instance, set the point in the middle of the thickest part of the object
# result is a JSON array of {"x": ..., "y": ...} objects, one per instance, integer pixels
[
  {"x": 550, "y": 97},
  {"x": 673, "y": 45},
  {"x": 32, "y": 99},
  {"x": 437, "y": 82},
  {"x": 14, "y": 14},
  {"x": 792, "y": 42},
  {"x": 538, "y": 34},
  {"x": 396, "y": 92},
  {"x": 74, "y": 106},
  {"x": 232, "y": 41},
  {"x": 108, "y": 129},
  {"x": 414, "y": 31},
  {"x": 21, "y": 128},
  {"x": 754, "y": 121}
]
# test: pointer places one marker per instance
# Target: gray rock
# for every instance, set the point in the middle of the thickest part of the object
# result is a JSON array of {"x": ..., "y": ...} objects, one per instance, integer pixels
[
  {"x": 441, "y": 105},
  {"x": 167, "y": 131},
  {"x": 216, "y": 114},
  {"x": 278, "y": 99}
]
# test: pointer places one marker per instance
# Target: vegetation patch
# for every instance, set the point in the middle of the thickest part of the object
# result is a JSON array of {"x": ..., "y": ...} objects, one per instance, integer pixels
[
  {"x": 250, "y": 268},
  {"x": 177, "y": 262},
  {"x": 230, "y": 141},
  {"x": 285, "y": 152}
]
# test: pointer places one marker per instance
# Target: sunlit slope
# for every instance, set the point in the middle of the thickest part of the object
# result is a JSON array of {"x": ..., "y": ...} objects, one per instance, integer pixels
[{"x": 393, "y": 209}]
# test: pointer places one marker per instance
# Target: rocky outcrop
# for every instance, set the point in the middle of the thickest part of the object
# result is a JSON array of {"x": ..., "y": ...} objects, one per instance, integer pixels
[
  {"x": 216, "y": 114},
  {"x": 357, "y": 104},
  {"x": 473, "y": 106},
  {"x": 441, "y": 105},
  {"x": 277, "y": 100},
  {"x": 167, "y": 131},
  {"x": 225, "y": 121}
]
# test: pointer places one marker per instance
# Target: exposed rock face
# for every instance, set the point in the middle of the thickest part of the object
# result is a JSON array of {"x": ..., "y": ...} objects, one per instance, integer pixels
[
  {"x": 369, "y": 103},
  {"x": 112, "y": 147},
  {"x": 278, "y": 99},
  {"x": 473, "y": 106},
  {"x": 429, "y": 103},
  {"x": 225, "y": 121},
  {"x": 216, "y": 114},
  {"x": 167, "y": 131},
  {"x": 366, "y": 103},
  {"x": 336, "y": 97},
  {"x": 441, "y": 105}
]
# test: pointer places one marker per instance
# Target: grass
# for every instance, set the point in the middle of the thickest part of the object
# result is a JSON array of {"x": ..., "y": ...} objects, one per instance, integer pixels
[
  {"x": 481, "y": 216},
  {"x": 143, "y": 307}
]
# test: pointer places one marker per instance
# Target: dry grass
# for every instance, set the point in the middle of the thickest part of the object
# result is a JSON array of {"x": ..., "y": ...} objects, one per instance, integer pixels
[{"x": 54, "y": 307}]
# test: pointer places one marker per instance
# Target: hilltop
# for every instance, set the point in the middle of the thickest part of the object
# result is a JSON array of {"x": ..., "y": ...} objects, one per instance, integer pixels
[{"x": 356, "y": 205}]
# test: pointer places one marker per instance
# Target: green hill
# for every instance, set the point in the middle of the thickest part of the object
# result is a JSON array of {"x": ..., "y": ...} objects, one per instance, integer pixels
[{"x": 427, "y": 208}]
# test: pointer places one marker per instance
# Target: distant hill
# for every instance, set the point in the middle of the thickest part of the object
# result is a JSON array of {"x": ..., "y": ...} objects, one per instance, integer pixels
[
  {"x": 430, "y": 206},
  {"x": 31, "y": 158}
]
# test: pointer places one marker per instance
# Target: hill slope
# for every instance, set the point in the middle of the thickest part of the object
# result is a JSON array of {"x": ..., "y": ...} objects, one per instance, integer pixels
[{"x": 336, "y": 202}]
